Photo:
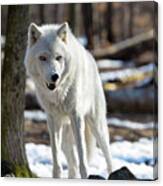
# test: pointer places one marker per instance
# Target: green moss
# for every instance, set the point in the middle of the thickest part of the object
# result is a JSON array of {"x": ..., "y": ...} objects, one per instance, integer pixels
[{"x": 23, "y": 172}]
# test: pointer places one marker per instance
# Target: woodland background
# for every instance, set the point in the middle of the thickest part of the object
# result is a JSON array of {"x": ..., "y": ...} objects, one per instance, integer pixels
[{"x": 123, "y": 39}]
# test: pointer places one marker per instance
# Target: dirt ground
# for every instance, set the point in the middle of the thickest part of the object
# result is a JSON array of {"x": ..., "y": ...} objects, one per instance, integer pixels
[{"x": 37, "y": 132}]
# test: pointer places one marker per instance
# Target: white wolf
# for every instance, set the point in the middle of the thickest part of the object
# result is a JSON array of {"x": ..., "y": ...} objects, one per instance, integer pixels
[{"x": 70, "y": 91}]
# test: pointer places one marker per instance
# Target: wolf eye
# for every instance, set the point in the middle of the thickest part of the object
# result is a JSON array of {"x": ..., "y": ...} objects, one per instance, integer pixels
[
  {"x": 58, "y": 58},
  {"x": 43, "y": 58}
]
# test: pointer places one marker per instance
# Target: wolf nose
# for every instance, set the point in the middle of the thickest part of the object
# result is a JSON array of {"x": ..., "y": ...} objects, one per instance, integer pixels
[{"x": 54, "y": 77}]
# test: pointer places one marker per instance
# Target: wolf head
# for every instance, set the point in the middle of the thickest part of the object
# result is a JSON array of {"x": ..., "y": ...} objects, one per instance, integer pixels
[{"x": 48, "y": 56}]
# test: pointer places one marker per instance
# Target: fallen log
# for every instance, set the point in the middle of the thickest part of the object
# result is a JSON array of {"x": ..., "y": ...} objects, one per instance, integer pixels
[
  {"x": 127, "y": 48},
  {"x": 131, "y": 100}
]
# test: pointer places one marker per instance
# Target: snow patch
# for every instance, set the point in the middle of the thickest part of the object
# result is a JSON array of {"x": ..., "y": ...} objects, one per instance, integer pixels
[
  {"x": 121, "y": 74},
  {"x": 137, "y": 156},
  {"x": 36, "y": 115},
  {"x": 108, "y": 63},
  {"x": 115, "y": 122}
]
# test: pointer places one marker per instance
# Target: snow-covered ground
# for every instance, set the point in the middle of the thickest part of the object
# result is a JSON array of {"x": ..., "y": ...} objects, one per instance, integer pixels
[
  {"x": 115, "y": 122},
  {"x": 137, "y": 156}
]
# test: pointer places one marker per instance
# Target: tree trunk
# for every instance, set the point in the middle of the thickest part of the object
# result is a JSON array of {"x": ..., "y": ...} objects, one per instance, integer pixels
[
  {"x": 88, "y": 23},
  {"x": 72, "y": 16},
  {"x": 60, "y": 13},
  {"x": 131, "y": 25},
  {"x": 109, "y": 21},
  {"x": 13, "y": 85},
  {"x": 41, "y": 13}
]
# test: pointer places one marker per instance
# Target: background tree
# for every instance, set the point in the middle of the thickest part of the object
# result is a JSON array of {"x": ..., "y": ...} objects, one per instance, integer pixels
[
  {"x": 41, "y": 12},
  {"x": 72, "y": 16},
  {"x": 88, "y": 23},
  {"x": 109, "y": 21},
  {"x": 128, "y": 20},
  {"x": 13, "y": 85}
]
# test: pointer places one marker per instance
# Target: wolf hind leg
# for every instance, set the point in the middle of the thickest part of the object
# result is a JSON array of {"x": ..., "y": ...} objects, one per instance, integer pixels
[
  {"x": 90, "y": 142},
  {"x": 100, "y": 131}
]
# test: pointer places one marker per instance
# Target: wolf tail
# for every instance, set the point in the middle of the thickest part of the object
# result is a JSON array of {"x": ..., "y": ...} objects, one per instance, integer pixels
[{"x": 90, "y": 143}]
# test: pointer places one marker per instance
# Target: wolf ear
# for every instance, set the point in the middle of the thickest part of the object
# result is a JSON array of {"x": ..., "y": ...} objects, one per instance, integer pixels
[
  {"x": 33, "y": 34},
  {"x": 62, "y": 31}
]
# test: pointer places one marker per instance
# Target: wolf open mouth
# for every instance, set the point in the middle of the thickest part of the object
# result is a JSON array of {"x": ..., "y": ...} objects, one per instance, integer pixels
[{"x": 51, "y": 86}]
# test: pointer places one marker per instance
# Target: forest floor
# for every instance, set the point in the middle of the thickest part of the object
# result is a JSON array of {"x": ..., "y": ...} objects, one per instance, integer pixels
[
  {"x": 132, "y": 140},
  {"x": 129, "y": 127}
]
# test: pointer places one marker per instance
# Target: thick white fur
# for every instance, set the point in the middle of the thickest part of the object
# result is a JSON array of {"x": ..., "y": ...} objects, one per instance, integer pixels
[{"x": 77, "y": 104}]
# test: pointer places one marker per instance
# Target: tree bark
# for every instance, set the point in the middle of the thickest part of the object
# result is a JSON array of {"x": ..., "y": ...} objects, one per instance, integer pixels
[{"x": 13, "y": 87}]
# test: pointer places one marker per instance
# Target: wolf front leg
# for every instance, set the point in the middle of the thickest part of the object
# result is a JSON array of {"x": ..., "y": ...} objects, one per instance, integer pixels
[
  {"x": 78, "y": 126},
  {"x": 55, "y": 130},
  {"x": 69, "y": 148}
]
